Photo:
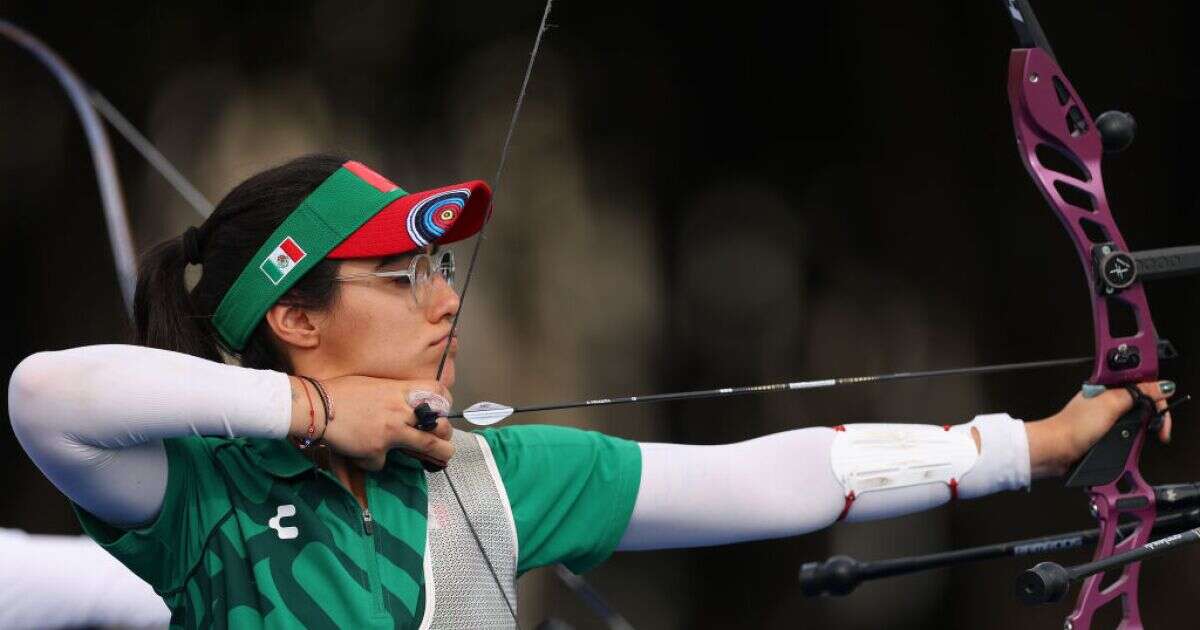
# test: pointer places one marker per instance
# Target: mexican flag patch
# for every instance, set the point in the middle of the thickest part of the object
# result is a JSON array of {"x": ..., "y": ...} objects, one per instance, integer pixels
[{"x": 281, "y": 261}]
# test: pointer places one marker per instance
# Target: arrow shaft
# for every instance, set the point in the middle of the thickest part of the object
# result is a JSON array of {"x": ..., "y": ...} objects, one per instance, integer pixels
[{"x": 723, "y": 392}]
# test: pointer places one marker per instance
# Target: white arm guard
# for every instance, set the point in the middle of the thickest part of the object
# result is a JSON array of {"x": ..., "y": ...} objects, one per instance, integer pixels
[
  {"x": 874, "y": 457},
  {"x": 924, "y": 465}
]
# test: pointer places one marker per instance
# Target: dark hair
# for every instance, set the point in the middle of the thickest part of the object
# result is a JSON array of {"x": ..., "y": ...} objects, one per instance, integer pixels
[{"x": 168, "y": 316}]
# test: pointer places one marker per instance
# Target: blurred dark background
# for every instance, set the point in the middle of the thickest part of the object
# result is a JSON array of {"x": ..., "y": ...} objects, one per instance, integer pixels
[{"x": 695, "y": 198}]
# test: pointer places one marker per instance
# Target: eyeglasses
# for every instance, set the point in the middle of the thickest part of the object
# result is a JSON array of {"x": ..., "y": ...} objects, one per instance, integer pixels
[{"x": 419, "y": 275}]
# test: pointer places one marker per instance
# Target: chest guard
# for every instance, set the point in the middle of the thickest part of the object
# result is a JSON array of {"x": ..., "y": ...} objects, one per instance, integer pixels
[{"x": 461, "y": 593}]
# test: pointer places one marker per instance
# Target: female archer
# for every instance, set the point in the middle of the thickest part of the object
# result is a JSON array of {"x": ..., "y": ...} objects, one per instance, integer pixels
[{"x": 293, "y": 489}]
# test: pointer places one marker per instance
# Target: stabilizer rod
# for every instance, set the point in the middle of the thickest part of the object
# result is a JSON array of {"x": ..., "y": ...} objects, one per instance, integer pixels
[
  {"x": 1049, "y": 581},
  {"x": 840, "y": 575}
]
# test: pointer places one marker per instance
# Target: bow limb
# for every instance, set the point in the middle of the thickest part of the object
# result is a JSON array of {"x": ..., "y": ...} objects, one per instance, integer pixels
[{"x": 115, "y": 215}]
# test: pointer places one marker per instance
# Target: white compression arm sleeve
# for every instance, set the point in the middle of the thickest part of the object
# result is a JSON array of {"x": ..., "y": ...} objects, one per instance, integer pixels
[
  {"x": 70, "y": 582},
  {"x": 784, "y": 485},
  {"x": 93, "y": 419}
]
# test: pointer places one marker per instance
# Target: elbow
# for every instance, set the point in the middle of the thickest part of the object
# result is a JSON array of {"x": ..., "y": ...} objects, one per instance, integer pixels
[{"x": 34, "y": 390}]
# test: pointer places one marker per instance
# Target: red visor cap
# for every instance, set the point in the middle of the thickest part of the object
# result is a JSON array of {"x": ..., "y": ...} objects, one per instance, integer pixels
[{"x": 442, "y": 215}]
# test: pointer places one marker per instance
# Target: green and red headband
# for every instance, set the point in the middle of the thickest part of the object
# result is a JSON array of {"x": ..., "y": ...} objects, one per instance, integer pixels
[{"x": 354, "y": 213}]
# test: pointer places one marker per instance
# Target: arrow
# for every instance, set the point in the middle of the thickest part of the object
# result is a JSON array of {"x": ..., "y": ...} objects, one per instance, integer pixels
[{"x": 488, "y": 413}]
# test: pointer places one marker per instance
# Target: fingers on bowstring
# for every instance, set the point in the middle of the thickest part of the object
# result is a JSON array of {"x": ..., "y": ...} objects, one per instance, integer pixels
[
  {"x": 443, "y": 429},
  {"x": 427, "y": 444}
]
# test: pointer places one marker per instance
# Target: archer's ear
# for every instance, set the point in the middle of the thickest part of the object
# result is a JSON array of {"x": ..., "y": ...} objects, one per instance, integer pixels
[{"x": 294, "y": 326}]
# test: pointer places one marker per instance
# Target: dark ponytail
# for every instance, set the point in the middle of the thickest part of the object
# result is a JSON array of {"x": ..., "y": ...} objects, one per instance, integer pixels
[
  {"x": 163, "y": 313},
  {"x": 168, "y": 316}
]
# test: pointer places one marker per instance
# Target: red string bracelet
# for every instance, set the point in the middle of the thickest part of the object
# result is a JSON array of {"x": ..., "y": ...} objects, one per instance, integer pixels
[
  {"x": 326, "y": 405},
  {"x": 312, "y": 419}
]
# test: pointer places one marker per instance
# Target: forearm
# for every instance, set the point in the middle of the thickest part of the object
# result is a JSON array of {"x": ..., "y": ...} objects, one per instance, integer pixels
[
  {"x": 785, "y": 484},
  {"x": 93, "y": 418},
  {"x": 1046, "y": 453}
]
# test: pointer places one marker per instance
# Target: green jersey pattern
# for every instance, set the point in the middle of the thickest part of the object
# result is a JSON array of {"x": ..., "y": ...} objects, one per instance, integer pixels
[
  {"x": 572, "y": 492},
  {"x": 252, "y": 535},
  {"x": 228, "y": 551}
]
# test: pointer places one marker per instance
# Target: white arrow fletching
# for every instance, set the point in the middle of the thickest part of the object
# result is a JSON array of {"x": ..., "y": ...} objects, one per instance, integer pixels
[{"x": 483, "y": 414}]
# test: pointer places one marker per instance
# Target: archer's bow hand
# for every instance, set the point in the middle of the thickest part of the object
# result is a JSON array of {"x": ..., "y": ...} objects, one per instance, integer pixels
[{"x": 1057, "y": 442}]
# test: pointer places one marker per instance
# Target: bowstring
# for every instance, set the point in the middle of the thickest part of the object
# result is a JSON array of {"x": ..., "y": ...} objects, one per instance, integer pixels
[{"x": 512, "y": 125}]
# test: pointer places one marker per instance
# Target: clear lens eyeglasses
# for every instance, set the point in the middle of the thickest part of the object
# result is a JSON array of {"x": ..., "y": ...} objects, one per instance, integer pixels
[{"x": 419, "y": 275}]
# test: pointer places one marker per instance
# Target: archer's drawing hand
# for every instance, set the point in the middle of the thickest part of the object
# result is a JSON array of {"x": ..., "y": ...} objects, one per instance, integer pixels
[
  {"x": 1057, "y": 442},
  {"x": 372, "y": 416}
]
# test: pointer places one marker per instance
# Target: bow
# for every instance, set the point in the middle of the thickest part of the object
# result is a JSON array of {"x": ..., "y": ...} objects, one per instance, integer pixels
[{"x": 1061, "y": 146}]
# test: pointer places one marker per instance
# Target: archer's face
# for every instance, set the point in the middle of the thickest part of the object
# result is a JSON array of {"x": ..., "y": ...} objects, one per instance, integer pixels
[{"x": 375, "y": 327}]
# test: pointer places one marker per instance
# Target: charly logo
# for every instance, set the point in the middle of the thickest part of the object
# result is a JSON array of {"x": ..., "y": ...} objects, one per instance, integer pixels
[{"x": 282, "y": 512}]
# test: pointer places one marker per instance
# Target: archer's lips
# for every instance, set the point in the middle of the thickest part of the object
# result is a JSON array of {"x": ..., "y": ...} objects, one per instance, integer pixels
[{"x": 440, "y": 342}]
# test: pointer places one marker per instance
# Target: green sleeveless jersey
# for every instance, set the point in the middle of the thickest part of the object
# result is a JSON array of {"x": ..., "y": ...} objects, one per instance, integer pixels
[{"x": 252, "y": 535}]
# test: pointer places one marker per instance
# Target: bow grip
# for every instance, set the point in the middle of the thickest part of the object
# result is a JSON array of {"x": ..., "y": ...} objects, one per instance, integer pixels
[{"x": 1106, "y": 461}]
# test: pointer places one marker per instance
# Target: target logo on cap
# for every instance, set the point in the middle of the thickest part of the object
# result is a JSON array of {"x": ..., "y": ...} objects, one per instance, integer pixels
[{"x": 429, "y": 219}]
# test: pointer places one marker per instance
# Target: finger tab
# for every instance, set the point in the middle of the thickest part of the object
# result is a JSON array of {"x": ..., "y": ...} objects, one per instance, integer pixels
[
  {"x": 426, "y": 417},
  {"x": 431, "y": 399}
]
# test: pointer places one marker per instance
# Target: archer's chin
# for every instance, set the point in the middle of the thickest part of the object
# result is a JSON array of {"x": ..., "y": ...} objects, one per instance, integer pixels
[{"x": 448, "y": 373}]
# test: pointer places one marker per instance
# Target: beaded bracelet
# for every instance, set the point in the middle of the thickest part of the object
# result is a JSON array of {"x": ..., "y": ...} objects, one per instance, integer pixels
[{"x": 326, "y": 403}]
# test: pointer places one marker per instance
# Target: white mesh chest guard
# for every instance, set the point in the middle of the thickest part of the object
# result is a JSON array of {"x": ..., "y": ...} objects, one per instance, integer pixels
[{"x": 461, "y": 593}]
